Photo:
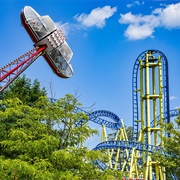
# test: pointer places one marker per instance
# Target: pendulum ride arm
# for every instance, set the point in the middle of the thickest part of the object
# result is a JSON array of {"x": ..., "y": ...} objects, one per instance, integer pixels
[{"x": 12, "y": 70}]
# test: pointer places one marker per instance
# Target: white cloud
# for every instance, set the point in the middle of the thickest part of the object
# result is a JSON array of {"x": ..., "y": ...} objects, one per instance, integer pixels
[
  {"x": 135, "y": 32},
  {"x": 170, "y": 16},
  {"x": 140, "y": 27},
  {"x": 65, "y": 27},
  {"x": 172, "y": 97},
  {"x": 137, "y": 2},
  {"x": 134, "y": 3},
  {"x": 143, "y": 26},
  {"x": 129, "y": 5},
  {"x": 97, "y": 17}
]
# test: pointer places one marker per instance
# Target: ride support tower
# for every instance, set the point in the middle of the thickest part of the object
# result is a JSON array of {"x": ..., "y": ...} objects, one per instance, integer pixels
[{"x": 150, "y": 107}]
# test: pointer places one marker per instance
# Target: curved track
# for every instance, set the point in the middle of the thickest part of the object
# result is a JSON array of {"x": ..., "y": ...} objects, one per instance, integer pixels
[
  {"x": 172, "y": 113},
  {"x": 150, "y": 97},
  {"x": 128, "y": 145},
  {"x": 95, "y": 117},
  {"x": 135, "y": 90}
]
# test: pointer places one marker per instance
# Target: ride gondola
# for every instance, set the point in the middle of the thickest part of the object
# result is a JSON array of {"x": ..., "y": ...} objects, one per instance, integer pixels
[{"x": 43, "y": 31}]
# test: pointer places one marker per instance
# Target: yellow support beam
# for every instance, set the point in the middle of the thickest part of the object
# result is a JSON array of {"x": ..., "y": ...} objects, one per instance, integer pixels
[{"x": 151, "y": 104}]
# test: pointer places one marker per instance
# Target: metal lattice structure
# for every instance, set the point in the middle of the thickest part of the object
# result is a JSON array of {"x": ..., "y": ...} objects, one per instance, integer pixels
[
  {"x": 12, "y": 70},
  {"x": 153, "y": 93},
  {"x": 150, "y": 111},
  {"x": 48, "y": 42},
  {"x": 152, "y": 68},
  {"x": 150, "y": 93}
]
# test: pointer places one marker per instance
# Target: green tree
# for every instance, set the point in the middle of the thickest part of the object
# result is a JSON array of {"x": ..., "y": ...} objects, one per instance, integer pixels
[
  {"x": 21, "y": 90},
  {"x": 40, "y": 141},
  {"x": 171, "y": 159},
  {"x": 25, "y": 90}
]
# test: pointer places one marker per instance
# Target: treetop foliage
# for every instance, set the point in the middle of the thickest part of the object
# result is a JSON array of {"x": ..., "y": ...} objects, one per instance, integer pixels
[
  {"x": 25, "y": 90},
  {"x": 39, "y": 139},
  {"x": 171, "y": 159}
]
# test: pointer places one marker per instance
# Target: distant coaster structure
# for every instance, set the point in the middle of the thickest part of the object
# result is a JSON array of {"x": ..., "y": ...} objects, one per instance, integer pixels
[{"x": 150, "y": 93}]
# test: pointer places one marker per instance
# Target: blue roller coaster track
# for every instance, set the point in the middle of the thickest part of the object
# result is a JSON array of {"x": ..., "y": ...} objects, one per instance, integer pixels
[
  {"x": 96, "y": 117},
  {"x": 135, "y": 89},
  {"x": 115, "y": 122}
]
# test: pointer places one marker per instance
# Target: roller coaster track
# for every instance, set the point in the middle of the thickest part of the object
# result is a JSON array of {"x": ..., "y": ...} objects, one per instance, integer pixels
[
  {"x": 125, "y": 145},
  {"x": 128, "y": 145},
  {"x": 115, "y": 123},
  {"x": 172, "y": 113},
  {"x": 95, "y": 117},
  {"x": 152, "y": 94},
  {"x": 135, "y": 90}
]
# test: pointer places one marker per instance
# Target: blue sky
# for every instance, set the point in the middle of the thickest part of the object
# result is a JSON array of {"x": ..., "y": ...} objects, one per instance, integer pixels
[{"x": 106, "y": 37}]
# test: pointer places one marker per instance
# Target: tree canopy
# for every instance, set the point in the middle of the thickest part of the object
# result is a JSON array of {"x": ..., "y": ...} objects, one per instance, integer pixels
[
  {"x": 25, "y": 90},
  {"x": 171, "y": 158},
  {"x": 39, "y": 139}
]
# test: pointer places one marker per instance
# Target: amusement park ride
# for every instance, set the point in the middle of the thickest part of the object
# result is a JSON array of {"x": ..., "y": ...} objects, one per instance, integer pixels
[
  {"x": 150, "y": 93},
  {"x": 48, "y": 42}
]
